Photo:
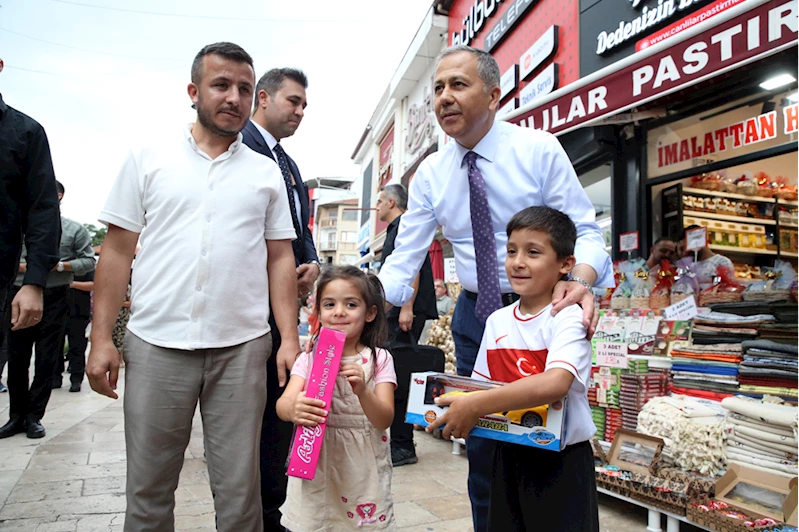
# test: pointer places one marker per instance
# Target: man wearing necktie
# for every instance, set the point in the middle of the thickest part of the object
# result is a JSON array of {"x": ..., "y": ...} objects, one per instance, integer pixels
[
  {"x": 499, "y": 169},
  {"x": 279, "y": 107}
]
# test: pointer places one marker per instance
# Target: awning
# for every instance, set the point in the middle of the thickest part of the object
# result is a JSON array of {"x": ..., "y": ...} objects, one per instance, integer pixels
[{"x": 747, "y": 32}]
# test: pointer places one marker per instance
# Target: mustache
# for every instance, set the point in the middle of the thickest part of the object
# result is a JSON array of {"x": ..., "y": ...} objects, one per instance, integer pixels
[{"x": 233, "y": 110}]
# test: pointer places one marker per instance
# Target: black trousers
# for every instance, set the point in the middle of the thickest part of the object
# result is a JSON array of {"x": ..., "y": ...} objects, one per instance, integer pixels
[
  {"x": 276, "y": 436},
  {"x": 5, "y": 326},
  {"x": 401, "y": 432},
  {"x": 31, "y": 398},
  {"x": 537, "y": 489},
  {"x": 75, "y": 337}
]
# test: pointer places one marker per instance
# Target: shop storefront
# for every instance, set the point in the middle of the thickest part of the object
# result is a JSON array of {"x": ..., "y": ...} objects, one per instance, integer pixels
[{"x": 722, "y": 57}]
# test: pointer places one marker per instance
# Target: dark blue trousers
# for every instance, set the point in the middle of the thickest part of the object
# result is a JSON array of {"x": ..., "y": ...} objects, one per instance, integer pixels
[{"x": 467, "y": 332}]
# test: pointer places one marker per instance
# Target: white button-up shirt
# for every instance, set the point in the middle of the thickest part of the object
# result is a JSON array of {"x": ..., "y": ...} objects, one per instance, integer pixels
[
  {"x": 521, "y": 167},
  {"x": 200, "y": 277}
]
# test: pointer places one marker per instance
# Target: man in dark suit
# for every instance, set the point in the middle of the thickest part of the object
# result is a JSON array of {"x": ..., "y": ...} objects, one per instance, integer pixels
[
  {"x": 405, "y": 324},
  {"x": 279, "y": 107}
]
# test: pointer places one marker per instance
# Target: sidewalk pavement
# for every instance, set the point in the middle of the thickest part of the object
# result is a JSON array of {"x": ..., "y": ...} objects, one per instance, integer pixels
[{"x": 74, "y": 478}]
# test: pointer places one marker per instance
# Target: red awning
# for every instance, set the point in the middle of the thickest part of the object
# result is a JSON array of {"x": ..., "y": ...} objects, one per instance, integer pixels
[{"x": 747, "y": 32}]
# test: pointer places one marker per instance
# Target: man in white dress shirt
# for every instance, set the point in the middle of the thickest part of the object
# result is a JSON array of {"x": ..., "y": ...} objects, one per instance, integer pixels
[
  {"x": 216, "y": 237},
  {"x": 516, "y": 168}
]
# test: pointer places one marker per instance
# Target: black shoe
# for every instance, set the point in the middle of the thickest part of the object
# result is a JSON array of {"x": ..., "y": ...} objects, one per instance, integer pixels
[
  {"x": 74, "y": 387},
  {"x": 56, "y": 384},
  {"x": 401, "y": 456},
  {"x": 35, "y": 428},
  {"x": 14, "y": 426},
  {"x": 3, "y": 389}
]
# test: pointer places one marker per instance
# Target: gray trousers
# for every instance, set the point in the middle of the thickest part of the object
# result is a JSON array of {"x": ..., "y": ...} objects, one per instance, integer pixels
[{"x": 162, "y": 388}]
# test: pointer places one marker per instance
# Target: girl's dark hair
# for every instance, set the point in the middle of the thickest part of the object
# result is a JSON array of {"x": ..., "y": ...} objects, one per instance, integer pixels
[{"x": 370, "y": 288}]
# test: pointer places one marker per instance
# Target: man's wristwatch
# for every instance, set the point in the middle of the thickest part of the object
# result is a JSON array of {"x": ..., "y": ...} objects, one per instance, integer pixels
[
  {"x": 583, "y": 282},
  {"x": 60, "y": 267},
  {"x": 315, "y": 263}
]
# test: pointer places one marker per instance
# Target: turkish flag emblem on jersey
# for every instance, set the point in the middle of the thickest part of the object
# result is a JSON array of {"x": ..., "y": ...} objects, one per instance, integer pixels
[{"x": 508, "y": 365}]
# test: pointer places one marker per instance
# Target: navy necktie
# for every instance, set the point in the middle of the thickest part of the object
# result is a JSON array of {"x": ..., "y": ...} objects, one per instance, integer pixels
[
  {"x": 283, "y": 163},
  {"x": 489, "y": 297}
]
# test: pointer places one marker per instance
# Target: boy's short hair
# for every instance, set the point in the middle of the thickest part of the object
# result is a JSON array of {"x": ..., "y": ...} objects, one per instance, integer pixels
[{"x": 560, "y": 228}]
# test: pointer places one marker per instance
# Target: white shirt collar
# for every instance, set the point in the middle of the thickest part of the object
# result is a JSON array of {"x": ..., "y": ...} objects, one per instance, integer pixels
[
  {"x": 271, "y": 141},
  {"x": 234, "y": 146},
  {"x": 486, "y": 148}
]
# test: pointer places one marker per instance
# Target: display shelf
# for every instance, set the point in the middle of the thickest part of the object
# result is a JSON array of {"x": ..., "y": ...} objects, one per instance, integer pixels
[
  {"x": 789, "y": 225},
  {"x": 752, "y": 251},
  {"x": 728, "y": 218},
  {"x": 731, "y": 195},
  {"x": 653, "y": 519},
  {"x": 788, "y": 202},
  {"x": 790, "y": 254}
]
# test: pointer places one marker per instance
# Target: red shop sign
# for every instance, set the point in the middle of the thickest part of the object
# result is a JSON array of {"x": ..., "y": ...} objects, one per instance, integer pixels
[{"x": 761, "y": 31}]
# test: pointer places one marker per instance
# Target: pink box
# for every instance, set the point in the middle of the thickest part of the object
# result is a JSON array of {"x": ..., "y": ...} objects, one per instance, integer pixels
[{"x": 308, "y": 441}]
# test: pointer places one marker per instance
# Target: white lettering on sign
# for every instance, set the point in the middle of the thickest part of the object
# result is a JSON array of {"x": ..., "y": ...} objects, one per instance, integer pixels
[
  {"x": 475, "y": 20},
  {"x": 542, "y": 84},
  {"x": 628, "y": 241},
  {"x": 744, "y": 133},
  {"x": 682, "y": 310},
  {"x": 421, "y": 124},
  {"x": 509, "y": 81},
  {"x": 695, "y": 57},
  {"x": 508, "y": 107},
  {"x": 696, "y": 239},
  {"x": 540, "y": 51},
  {"x": 791, "y": 116},
  {"x": 648, "y": 18},
  {"x": 611, "y": 354}
]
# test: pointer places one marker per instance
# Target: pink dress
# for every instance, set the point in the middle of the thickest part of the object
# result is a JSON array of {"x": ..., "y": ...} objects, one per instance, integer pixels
[{"x": 352, "y": 486}]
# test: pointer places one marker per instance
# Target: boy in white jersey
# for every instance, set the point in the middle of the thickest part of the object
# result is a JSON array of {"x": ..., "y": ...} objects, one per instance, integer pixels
[{"x": 543, "y": 358}]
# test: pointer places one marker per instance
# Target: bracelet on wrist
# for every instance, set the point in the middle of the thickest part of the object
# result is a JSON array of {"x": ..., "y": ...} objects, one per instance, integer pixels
[{"x": 583, "y": 282}]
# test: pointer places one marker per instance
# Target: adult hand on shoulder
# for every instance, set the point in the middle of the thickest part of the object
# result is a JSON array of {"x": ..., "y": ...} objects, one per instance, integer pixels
[
  {"x": 26, "y": 307},
  {"x": 286, "y": 356},
  {"x": 306, "y": 277},
  {"x": 308, "y": 412},
  {"x": 102, "y": 368},
  {"x": 568, "y": 293},
  {"x": 458, "y": 420}
]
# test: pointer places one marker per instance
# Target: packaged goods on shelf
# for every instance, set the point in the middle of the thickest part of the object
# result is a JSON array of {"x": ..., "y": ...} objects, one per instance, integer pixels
[{"x": 692, "y": 429}]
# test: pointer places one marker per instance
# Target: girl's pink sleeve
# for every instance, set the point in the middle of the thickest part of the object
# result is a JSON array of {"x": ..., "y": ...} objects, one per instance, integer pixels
[
  {"x": 385, "y": 368},
  {"x": 302, "y": 366}
]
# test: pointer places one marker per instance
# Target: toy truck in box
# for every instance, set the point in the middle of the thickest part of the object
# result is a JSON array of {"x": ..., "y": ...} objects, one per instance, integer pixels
[{"x": 541, "y": 426}]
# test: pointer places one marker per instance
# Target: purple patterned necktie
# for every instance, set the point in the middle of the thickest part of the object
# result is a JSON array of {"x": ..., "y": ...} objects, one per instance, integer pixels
[{"x": 489, "y": 297}]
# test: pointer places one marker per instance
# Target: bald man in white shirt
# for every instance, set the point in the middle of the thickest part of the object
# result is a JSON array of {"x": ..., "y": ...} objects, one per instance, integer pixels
[{"x": 500, "y": 169}]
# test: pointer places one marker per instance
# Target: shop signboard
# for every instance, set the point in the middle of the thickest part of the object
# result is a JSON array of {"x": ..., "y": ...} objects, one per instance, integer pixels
[
  {"x": 709, "y": 11},
  {"x": 713, "y": 136},
  {"x": 509, "y": 81},
  {"x": 541, "y": 85},
  {"x": 610, "y": 29},
  {"x": 540, "y": 51},
  {"x": 700, "y": 53},
  {"x": 512, "y": 105},
  {"x": 385, "y": 161}
]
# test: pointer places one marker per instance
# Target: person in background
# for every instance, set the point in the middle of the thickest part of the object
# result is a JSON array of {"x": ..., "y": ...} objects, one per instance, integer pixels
[
  {"x": 443, "y": 301},
  {"x": 707, "y": 262},
  {"x": 28, "y": 400},
  {"x": 406, "y": 323},
  {"x": 29, "y": 213},
  {"x": 501, "y": 168},
  {"x": 664, "y": 248},
  {"x": 79, "y": 301},
  {"x": 279, "y": 107}
]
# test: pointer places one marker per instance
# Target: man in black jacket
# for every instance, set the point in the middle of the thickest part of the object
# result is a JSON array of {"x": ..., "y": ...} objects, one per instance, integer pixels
[
  {"x": 405, "y": 324},
  {"x": 29, "y": 210},
  {"x": 279, "y": 107}
]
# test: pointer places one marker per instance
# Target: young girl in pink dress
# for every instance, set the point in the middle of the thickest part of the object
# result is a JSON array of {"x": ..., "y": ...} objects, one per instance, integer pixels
[{"x": 352, "y": 486}]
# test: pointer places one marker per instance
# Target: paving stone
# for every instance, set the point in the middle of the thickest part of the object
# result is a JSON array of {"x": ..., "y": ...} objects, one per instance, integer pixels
[
  {"x": 58, "y": 459},
  {"x": 98, "y": 486},
  {"x": 58, "y": 526},
  {"x": 448, "y": 508},
  {"x": 419, "y": 490},
  {"x": 107, "y": 457},
  {"x": 67, "y": 489},
  {"x": 410, "y": 513},
  {"x": 92, "y": 504},
  {"x": 101, "y": 523}
]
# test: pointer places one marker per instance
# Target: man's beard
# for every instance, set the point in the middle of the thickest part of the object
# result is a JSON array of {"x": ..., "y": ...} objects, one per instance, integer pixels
[{"x": 204, "y": 116}]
